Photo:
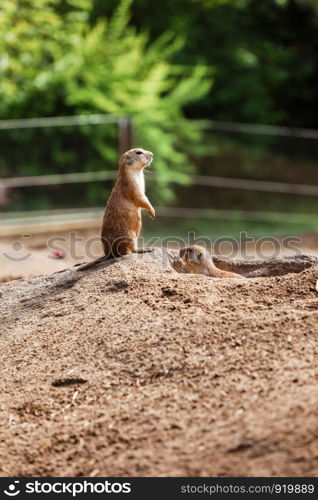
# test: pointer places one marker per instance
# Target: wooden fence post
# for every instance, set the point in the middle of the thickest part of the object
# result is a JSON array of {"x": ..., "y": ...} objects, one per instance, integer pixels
[{"x": 125, "y": 134}]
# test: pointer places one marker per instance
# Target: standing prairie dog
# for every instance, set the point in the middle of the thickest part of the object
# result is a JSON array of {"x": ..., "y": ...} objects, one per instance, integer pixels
[
  {"x": 122, "y": 217},
  {"x": 197, "y": 260}
]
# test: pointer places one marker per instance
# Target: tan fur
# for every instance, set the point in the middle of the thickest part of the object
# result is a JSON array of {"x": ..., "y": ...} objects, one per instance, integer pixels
[
  {"x": 197, "y": 260},
  {"x": 121, "y": 224}
]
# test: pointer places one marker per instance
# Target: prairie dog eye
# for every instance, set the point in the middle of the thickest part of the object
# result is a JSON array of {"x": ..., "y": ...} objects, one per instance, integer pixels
[{"x": 139, "y": 152}]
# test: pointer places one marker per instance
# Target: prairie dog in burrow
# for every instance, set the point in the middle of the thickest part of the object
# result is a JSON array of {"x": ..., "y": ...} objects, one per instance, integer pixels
[
  {"x": 197, "y": 260},
  {"x": 121, "y": 224}
]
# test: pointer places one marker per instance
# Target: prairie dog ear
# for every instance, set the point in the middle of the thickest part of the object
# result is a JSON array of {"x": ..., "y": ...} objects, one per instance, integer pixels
[{"x": 129, "y": 158}]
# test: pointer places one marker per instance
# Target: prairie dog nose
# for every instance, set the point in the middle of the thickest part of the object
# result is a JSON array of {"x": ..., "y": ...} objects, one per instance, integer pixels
[{"x": 149, "y": 157}]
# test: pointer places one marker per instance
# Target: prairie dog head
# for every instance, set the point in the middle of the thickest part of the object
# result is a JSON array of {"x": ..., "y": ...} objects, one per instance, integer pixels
[
  {"x": 135, "y": 160},
  {"x": 195, "y": 258},
  {"x": 194, "y": 253}
]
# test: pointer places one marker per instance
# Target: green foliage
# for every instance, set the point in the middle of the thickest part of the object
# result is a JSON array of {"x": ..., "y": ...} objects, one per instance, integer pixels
[
  {"x": 263, "y": 54},
  {"x": 54, "y": 62}
]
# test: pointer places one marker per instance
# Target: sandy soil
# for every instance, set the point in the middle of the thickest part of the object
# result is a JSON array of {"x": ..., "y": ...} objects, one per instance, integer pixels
[{"x": 131, "y": 370}]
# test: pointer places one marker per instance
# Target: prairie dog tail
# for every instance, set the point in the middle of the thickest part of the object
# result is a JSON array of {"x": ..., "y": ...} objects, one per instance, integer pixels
[{"x": 92, "y": 263}]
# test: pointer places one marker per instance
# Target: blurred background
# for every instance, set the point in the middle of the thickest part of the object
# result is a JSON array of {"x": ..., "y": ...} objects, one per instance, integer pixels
[{"x": 224, "y": 92}]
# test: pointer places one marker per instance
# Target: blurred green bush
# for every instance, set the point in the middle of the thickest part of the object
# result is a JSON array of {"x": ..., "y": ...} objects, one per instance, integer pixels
[{"x": 264, "y": 54}]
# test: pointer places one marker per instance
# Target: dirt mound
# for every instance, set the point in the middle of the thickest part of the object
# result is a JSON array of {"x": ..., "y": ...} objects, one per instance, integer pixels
[{"x": 133, "y": 369}]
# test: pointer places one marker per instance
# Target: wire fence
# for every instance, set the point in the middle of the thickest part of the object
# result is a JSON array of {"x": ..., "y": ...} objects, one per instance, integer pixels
[
  {"x": 258, "y": 129},
  {"x": 56, "y": 220},
  {"x": 125, "y": 142},
  {"x": 59, "y": 121},
  {"x": 194, "y": 180}
]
